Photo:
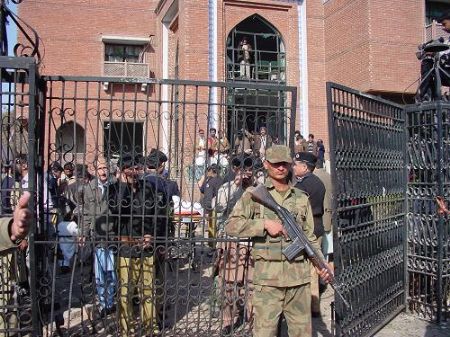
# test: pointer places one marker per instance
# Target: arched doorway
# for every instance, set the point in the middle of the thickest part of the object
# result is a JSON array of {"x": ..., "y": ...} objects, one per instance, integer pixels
[
  {"x": 70, "y": 138},
  {"x": 265, "y": 50},
  {"x": 263, "y": 60}
]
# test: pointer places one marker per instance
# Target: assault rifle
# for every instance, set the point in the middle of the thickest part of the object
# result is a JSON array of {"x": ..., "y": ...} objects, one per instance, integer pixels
[{"x": 299, "y": 240}]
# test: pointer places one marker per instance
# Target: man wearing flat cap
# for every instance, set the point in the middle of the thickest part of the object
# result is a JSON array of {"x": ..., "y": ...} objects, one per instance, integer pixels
[
  {"x": 307, "y": 181},
  {"x": 280, "y": 286}
]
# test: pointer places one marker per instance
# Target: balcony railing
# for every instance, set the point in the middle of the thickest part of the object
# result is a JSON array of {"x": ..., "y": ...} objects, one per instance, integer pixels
[
  {"x": 259, "y": 71},
  {"x": 434, "y": 31},
  {"x": 125, "y": 69},
  {"x": 265, "y": 65}
]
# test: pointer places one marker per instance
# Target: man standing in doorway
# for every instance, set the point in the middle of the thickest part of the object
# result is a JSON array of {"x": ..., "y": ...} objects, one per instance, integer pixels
[
  {"x": 261, "y": 143},
  {"x": 245, "y": 58}
]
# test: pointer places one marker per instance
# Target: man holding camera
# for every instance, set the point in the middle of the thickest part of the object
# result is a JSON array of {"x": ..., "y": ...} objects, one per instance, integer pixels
[{"x": 427, "y": 86}]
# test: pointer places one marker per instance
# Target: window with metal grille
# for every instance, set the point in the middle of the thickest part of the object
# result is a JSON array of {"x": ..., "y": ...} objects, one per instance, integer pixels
[
  {"x": 123, "y": 137},
  {"x": 123, "y": 53},
  {"x": 125, "y": 60}
]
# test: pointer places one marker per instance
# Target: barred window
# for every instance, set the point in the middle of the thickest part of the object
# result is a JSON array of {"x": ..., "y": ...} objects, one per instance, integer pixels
[{"x": 123, "y": 53}]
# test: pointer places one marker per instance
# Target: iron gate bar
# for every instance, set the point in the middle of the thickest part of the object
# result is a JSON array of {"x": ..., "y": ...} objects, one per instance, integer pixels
[
  {"x": 367, "y": 167},
  {"x": 139, "y": 80},
  {"x": 22, "y": 76}
]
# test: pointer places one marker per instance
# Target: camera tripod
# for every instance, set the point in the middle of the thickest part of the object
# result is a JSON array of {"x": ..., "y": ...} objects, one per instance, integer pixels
[{"x": 435, "y": 71}]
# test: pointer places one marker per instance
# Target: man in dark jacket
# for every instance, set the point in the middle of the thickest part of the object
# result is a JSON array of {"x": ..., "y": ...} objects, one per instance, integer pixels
[
  {"x": 209, "y": 185},
  {"x": 141, "y": 226},
  {"x": 307, "y": 181}
]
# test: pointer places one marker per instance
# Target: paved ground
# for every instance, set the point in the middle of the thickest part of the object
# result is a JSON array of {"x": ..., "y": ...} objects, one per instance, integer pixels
[
  {"x": 194, "y": 317},
  {"x": 404, "y": 325}
]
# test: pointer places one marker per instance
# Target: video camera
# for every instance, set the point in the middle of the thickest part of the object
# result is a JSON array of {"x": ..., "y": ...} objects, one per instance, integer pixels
[
  {"x": 434, "y": 69},
  {"x": 431, "y": 47}
]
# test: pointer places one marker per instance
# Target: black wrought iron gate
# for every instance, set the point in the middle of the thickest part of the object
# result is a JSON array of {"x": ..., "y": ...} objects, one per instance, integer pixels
[
  {"x": 97, "y": 127},
  {"x": 367, "y": 149},
  {"x": 22, "y": 107},
  {"x": 428, "y": 142}
]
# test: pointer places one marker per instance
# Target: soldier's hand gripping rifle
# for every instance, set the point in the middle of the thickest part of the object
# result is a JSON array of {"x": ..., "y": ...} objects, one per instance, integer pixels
[{"x": 299, "y": 240}]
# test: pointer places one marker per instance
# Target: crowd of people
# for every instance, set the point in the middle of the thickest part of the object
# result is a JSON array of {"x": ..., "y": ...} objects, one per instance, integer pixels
[
  {"x": 215, "y": 148},
  {"x": 119, "y": 218}
]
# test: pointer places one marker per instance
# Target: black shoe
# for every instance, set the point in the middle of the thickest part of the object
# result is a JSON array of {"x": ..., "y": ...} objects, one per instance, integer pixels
[
  {"x": 107, "y": 311},
  {"x": 316, "y": 314},
  {"x": 226, "y": 331},
  {"x": 111, "y": 310},
  {"x": 65, "y": 269}
]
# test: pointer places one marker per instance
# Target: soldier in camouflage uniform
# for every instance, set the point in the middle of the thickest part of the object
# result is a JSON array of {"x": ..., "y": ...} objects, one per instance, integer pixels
[{"x": 280, "y": 286}]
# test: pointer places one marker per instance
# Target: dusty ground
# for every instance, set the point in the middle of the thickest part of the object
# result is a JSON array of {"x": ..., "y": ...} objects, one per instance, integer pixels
[
  {"x": 404, "y": 325},
  {"x": 190, "y": 312}
]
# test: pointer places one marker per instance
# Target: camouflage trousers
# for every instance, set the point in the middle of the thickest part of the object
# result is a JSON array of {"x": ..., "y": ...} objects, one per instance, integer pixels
[
  {"x": 270, "y": 302},
  {"x": 8, "y": 318},
  {"x": 315, "y": 294}
]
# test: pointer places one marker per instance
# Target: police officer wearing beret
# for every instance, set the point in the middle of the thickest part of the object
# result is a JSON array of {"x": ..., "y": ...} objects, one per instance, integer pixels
[{"x": 307, "y": 181}]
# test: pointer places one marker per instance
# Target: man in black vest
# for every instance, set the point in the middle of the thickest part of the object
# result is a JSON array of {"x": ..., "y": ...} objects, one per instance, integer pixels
[{"x": 307, "y": 181}]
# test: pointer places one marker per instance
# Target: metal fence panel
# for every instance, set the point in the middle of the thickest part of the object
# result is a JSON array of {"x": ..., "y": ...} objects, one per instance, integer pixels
[
  {"x": 122, "y": 256},
  {"x": 368, "y": 172},
  {"x": 428, "y": 144}
]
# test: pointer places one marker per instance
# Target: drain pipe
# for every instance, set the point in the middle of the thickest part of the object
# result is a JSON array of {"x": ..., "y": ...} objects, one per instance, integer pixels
[
  {"x": 165, "y": 89},
  {"x": 303, "y": 68},
  {"x": 212, "y": 62}
]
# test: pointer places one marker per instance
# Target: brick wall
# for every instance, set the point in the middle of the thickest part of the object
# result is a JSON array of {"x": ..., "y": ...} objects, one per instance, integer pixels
[
  {"x": 72, "y": 30},
  {"x": 370, "y": 45}
]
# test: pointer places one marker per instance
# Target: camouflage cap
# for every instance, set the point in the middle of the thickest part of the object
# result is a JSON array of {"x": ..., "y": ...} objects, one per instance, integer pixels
[{"x": 278, "y": 154}]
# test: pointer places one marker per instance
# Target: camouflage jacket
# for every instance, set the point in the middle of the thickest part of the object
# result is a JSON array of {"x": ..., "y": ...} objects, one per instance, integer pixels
[
  {"x": 5, "y": 240},
  {"x": 271, "y": 266}
]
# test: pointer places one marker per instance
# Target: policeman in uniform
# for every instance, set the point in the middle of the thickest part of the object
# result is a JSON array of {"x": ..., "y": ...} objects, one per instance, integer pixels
[
  {"x": 327, "y": 242},
  {"x": 307, "y": 181},
  {"x": 280, "y": 286}
]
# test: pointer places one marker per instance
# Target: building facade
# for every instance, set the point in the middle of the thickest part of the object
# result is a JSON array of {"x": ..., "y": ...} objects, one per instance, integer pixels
[{"x": 367, "y": 45}]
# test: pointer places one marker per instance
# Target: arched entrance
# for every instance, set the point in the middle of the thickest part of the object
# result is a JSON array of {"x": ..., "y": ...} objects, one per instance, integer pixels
[
  {"x": 256, "y": 53},
  {"x": 263, "y": 52},
  {"x": 70, "y": 138}
]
